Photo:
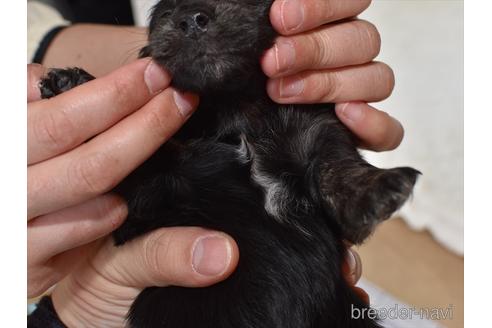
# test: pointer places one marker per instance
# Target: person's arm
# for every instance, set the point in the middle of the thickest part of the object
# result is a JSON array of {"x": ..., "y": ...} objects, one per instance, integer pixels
[
  {"x": 53, "y": 42},
  {"x": 99, "y": 49}
]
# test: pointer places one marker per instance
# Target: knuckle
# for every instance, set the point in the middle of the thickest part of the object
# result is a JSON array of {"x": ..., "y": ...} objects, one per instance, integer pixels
[
  {"x": 157, "y": 250},
  {"x": 325, "y": 87},
  {"x": 55, "y": 131},
  {"x": 158, "y": 121},
  {"x": 323, "y": 54},
  {"x": 123, "y": 91},
  {"x": 328, "y": 12},
  {"x": 90, "y": 175}
]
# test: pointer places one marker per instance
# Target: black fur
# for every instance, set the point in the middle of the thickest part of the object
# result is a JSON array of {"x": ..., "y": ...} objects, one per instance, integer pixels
[
  {"x": 286, "y": 181},
  {"x": 60, "y": 80}
]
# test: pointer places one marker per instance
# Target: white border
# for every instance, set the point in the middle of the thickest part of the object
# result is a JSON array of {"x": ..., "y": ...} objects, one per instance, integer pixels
[
  {"x": 478, "y": 211},
  {"x": 478, "y": 214},
  {"x": 13, "y": 160}
]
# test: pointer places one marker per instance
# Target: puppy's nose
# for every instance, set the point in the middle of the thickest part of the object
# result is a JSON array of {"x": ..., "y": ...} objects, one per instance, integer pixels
[{"x": 194, "y": 25}]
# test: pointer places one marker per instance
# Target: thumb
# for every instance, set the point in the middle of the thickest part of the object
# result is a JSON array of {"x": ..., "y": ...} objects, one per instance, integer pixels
[{"x": 183, "y": 256}]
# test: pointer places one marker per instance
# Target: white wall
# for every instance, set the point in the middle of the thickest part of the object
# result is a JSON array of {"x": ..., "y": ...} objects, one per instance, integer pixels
[
  {"x": 141, "y": 10},
  {"x": 423, "y": 42}
]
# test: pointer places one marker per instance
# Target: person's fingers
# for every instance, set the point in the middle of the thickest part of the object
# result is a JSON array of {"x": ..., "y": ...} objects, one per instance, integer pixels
[
  {"x": 344, "y": 44},
  {"x": 188, "y": 257},
  {"x": 352, "y": 267},
  {"x": 362, "y": 294},
  {"x": 100, "y": 164},
  {"x": 34, "y": 74},
  {"x": 57, "y": 232},
  {"x": 59, "y": 124},
  {"x": 40, "y": 277},
  {"x": 295, "y": 16},
  {"x": 352, "y": 271},
  {"x": 375, "y": 129},
  {"x": 370, "y": 82}
]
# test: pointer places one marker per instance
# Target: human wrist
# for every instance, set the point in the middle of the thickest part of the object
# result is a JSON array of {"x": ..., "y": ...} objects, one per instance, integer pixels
[{"x": 91, "y": 300}]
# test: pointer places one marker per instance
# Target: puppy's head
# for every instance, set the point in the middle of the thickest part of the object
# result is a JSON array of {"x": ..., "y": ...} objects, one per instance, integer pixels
[{"x": 208, "y": 44}]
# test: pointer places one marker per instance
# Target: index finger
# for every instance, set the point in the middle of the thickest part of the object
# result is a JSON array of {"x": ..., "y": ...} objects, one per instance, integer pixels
[
  {"x": 296, "y": 16},
  {"x": 59, "y": 124}
]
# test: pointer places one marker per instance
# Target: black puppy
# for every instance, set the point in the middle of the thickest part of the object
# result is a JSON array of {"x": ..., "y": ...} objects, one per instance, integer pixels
[{"x": 286, "y": 181}]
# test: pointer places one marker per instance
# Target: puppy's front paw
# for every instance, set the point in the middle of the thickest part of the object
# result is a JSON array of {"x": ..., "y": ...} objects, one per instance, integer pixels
[{"x": 60, "y": 80}]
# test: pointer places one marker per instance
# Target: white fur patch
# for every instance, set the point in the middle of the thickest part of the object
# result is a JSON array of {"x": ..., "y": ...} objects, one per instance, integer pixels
[
  {"x": 277, "y": 196},
  {"x": 275, "y": 193},
  {"x": 243, "y": 151}
]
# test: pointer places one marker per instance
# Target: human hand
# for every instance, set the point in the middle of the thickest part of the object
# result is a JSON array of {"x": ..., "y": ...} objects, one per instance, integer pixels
[
  {"x": 324, "y": 54},
  {"x": 100, "y": 292},
  {"x": 128, "y": 114}
]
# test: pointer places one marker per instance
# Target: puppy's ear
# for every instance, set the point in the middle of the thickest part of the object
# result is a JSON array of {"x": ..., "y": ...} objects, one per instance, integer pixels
[{"x": 362, "y": 196}]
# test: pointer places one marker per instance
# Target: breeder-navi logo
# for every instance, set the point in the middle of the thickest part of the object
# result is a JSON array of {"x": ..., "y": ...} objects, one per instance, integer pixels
[{"x": 403, "y": 313}]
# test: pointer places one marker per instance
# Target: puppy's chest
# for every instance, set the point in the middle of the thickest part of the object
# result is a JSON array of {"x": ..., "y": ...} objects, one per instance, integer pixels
[{"x": 227, "y": 120}]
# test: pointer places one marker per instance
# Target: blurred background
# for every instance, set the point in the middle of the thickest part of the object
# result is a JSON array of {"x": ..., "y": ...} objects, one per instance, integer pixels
[{"x": 415, "y": 260}]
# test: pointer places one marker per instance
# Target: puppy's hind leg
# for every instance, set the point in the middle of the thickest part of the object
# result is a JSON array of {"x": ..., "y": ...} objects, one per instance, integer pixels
[{"x": 60, "y": 80}]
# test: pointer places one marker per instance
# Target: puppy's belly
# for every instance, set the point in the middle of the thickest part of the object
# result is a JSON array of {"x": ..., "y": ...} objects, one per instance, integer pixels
[{"x": 283, "y": 280}]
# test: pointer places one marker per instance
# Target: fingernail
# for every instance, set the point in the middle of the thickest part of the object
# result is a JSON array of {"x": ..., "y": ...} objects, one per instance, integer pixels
[
  {"x": 184, "y": 103},
  {"x": 285, "y": 55},
  {"x": 291, "y": 87},
  {"x": 211, "y": 255},
  {"x": 352, "y": 265},
  {"x": 351, "y": 261},
  {"x": 352, "y": 111},
  {"x": 292, "y": 14},
  {"x": 156, "y": 78},
  {"x": 120, "y": 212}
]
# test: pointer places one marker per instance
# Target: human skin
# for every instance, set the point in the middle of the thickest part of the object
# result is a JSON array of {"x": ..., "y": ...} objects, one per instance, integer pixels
[{"x": 328, "y": 75}]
